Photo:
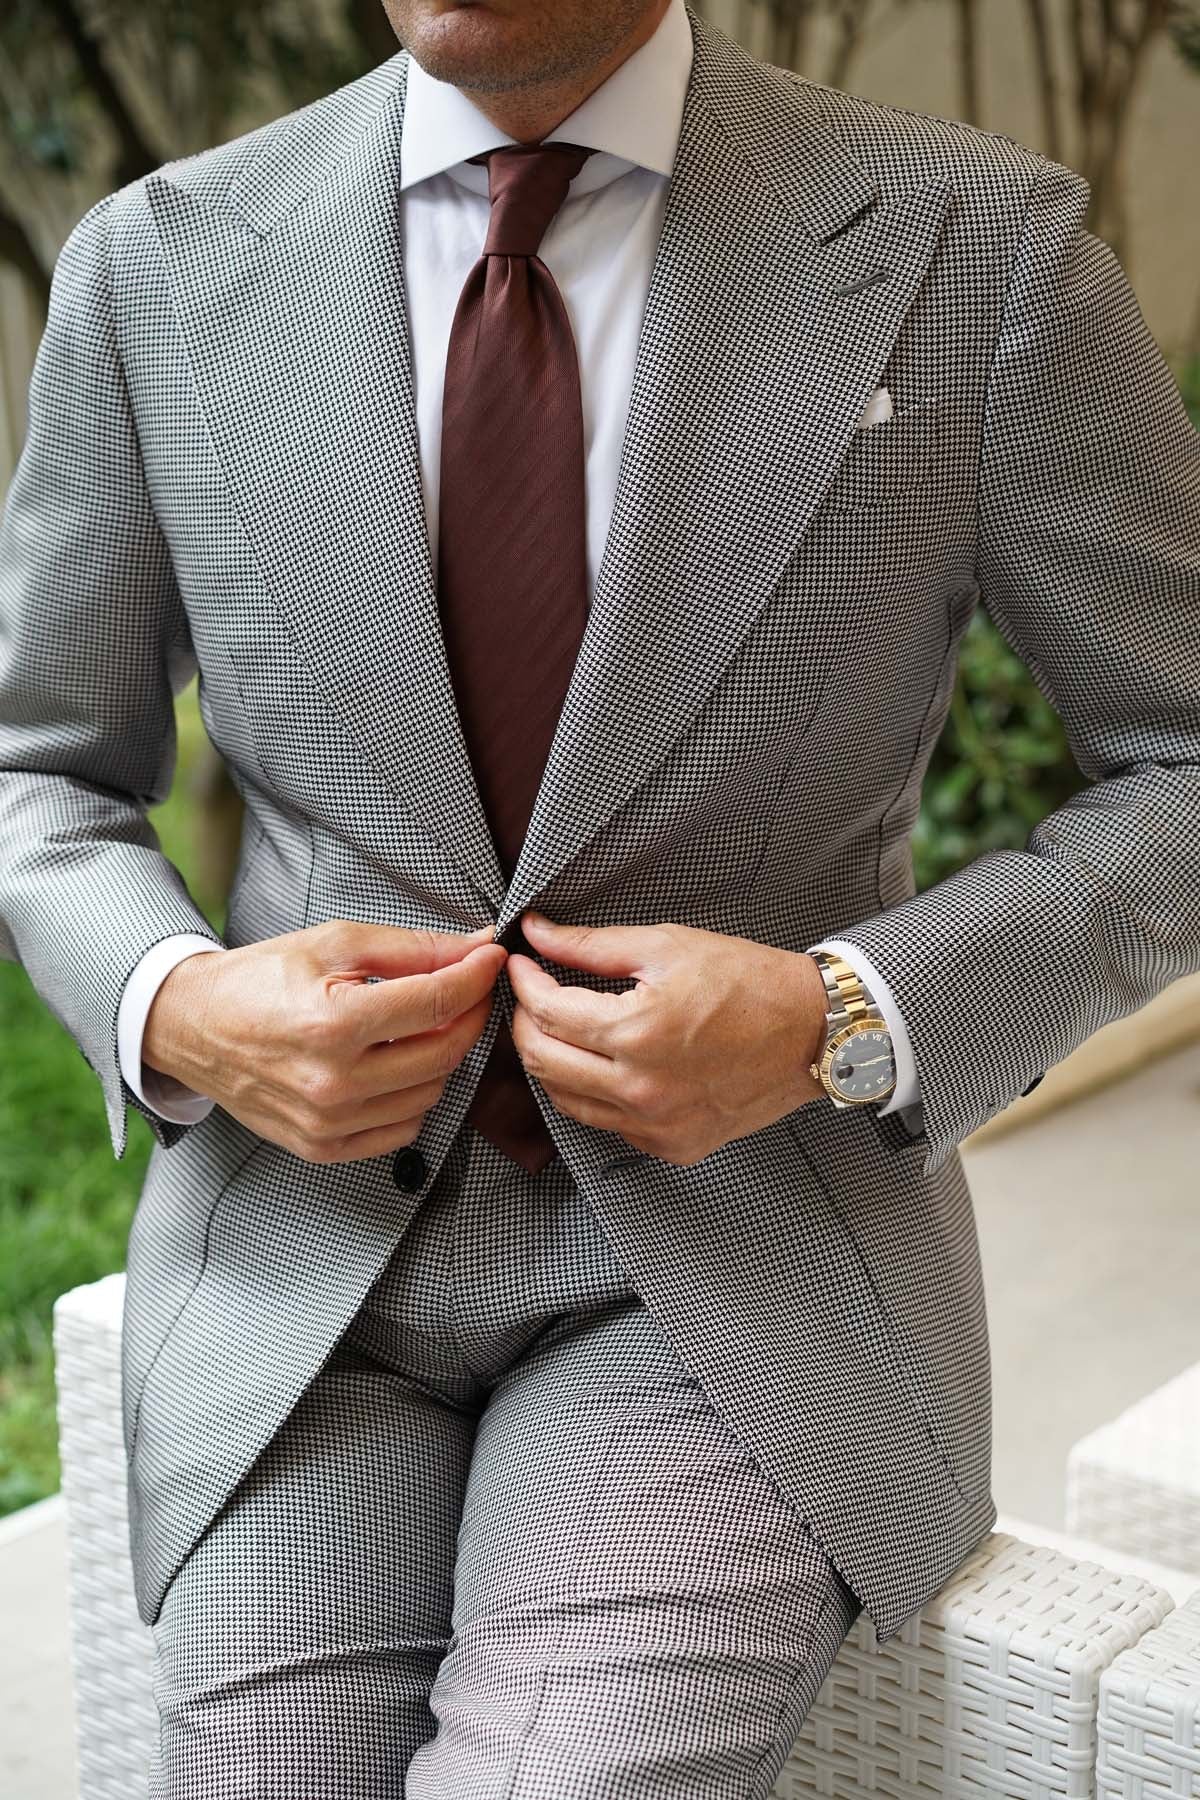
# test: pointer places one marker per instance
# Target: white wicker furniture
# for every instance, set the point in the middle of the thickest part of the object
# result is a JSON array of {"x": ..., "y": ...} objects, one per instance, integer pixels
[
  {"x": 116, "y": 1720},
  {"x": 992, "y": 1692},
  {"x": 1149, "y": 1727},
  {"x": 1135, "y": 1482}
]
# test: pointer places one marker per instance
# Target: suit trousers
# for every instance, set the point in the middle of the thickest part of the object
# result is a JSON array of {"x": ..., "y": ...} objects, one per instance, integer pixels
[{"x": 503, "y": 1546}]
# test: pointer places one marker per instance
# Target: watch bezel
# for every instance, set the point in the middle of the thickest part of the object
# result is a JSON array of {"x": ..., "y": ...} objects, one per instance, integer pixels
[{"x": 854, "y": 1028}]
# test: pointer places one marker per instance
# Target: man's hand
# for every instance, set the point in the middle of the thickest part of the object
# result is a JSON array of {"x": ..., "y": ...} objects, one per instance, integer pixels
[
  {"x": 714, "y": 1042},
  {"x": 289, "y": 1036}
]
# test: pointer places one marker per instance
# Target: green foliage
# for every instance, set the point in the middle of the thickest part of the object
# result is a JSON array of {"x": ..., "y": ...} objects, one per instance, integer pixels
[
  {"x": 28, "y": 1443},
  {"x": 1000, "y": 765},
  {"x": 1189, "y": 387},
  {"x": 1002, "y": 762},
  {"x": 1183, "y": 23}
]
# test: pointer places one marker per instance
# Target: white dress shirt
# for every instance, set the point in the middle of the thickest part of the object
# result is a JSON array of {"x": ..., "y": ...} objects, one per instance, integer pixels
[{"x": 600, "y": 248}]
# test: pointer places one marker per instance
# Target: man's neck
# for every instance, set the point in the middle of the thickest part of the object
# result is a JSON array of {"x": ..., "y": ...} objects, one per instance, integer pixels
[{"x": 528, "y": 114}]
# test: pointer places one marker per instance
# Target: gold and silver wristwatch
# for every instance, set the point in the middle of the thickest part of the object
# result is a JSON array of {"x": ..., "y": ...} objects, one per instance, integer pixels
[{"x": 857, "y": 1065}]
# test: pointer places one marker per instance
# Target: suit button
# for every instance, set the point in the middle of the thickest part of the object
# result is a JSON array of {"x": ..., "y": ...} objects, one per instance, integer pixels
[
  {"x": 408, "y": 1168},
  {"x": 1032, "y": 1085}
]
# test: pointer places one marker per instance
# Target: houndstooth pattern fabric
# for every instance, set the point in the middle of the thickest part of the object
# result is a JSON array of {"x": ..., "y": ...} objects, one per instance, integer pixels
[
  {"x": 221, "y": 471},
  {"x": 502, "y": 1546}
]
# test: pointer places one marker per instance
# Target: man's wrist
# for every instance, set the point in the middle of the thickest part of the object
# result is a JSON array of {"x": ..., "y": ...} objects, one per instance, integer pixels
[
  {"x": 171, "y": 1022},
  {"x": 813, "y": 1007}
]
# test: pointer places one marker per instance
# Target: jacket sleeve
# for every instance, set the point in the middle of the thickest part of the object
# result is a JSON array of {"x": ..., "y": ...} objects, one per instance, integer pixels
[
  {"x": 1088, "y": 561},
  {"x": 94, "y": 646}
]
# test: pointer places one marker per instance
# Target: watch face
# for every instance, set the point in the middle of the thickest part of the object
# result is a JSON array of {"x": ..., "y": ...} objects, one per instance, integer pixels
[{"x": 863, "y": 1066}]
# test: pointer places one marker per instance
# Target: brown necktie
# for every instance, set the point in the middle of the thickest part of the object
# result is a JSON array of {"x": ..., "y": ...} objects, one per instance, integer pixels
[{"x": 512, "y": 565}]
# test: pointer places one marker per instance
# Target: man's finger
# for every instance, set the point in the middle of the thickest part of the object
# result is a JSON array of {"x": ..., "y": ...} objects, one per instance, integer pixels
[
  {"x": 408, "y": 1004},
  {"x": 601, "y": 1113},
  {"x": 359, "y": 948},
  {"x": 577, "y": 1015},
  {"x": 601, "y": 949},
  {"x": 558, "y": 1064}
]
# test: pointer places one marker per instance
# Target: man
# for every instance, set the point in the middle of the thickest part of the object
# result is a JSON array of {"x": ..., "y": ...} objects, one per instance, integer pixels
[{"x": 571, "y": 455}]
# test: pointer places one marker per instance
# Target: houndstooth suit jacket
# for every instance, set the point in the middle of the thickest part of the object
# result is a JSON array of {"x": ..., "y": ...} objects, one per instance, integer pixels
[{"x": 221, "y": 470}]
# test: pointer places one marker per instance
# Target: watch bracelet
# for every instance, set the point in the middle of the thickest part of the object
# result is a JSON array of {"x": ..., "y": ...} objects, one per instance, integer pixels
[{"x": 838, "y": 975}]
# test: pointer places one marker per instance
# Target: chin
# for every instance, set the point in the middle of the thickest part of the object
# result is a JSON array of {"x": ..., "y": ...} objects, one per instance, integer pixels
[{"x": 468, "y": 45}]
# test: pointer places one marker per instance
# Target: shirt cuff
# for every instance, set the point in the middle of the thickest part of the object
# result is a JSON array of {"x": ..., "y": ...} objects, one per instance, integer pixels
[
  {"x": 907, "y": 1091},
  {"x": 169, "y": 1098}
]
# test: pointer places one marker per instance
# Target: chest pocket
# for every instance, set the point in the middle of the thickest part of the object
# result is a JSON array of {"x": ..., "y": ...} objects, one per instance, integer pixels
[{"x": 888, "y": 459}]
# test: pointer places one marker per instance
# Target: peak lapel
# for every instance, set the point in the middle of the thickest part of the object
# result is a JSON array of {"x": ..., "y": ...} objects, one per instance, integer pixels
[
  {"x": 290, "y": 294},
  {"x": 752, "y": 369}
]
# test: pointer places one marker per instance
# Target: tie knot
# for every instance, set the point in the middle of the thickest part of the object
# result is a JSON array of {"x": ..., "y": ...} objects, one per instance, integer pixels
[{"x": 527, "y": 183}]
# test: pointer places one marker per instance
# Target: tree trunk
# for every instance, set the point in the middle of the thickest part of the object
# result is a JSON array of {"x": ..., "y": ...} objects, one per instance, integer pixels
[
  {"x": 1043, "y": 63},
  {"x": 849, "y": 20},
  {"x": 371, "y": 30},
  {"x": 135, "y": 155},
  {"x": 968, "y": 60},
  {"x": 1109, "y": 56},
  {"x": 790, "y": 21},
  {"x": 16, "y": 248},
  {"x": 747, "y": 17}
]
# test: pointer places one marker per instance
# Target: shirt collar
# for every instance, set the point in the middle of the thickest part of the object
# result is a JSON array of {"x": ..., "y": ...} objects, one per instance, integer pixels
[{"x": 632, "y": 119}]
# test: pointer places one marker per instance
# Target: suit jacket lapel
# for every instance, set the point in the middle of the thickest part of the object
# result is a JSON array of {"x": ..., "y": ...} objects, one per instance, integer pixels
[
  {"x": 290, "y": 293},
  {"x": 752, "y": 368}
]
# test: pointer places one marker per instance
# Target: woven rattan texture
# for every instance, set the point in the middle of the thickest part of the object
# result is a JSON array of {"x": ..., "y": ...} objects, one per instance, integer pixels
[
  {"x": 1149, "y": 1725},
  {"x": 1135, "y": 1482},
  {"x": 110, "y": 1647},
  {"x": 991, "y": 1690}
]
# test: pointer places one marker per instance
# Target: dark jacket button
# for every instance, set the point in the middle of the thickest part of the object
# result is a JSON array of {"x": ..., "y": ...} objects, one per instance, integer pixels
[
  {"x": 408, "y": 1168},
  {"x": 1032, "y": 1085}
]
